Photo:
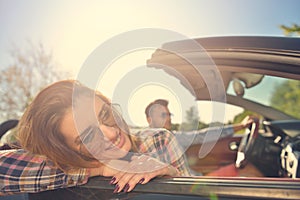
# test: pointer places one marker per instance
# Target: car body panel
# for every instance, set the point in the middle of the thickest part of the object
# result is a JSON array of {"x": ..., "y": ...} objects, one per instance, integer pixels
[{"x": 185, "y": 188}]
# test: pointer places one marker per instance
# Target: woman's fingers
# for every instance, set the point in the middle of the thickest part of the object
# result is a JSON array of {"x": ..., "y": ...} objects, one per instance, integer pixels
[
  {"x": 144, "y": 178},
  {"x": 122, "y": 181},
  {"x": 122, "y": 178},
  {"x": 140, "y": 170},
  {"x": 127, "y": 181}
]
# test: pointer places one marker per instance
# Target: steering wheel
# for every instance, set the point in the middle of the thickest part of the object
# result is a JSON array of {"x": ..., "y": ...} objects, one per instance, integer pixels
[
  {"x": 276, "y": 128},
  {"x": 246, "y": 144}
]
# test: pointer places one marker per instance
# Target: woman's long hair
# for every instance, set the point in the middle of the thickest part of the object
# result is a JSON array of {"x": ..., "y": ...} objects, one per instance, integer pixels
[{"x": 39, "y": 128}]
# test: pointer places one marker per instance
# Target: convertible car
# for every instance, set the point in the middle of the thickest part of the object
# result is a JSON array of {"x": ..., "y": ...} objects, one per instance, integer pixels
[{"x": 260, "y": 75}]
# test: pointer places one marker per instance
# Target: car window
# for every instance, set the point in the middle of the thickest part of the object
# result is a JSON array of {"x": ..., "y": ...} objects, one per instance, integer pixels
[{"x": 277, "y": 92}]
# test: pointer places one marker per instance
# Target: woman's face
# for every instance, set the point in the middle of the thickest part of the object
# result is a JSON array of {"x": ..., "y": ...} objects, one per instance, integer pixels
[{"x": 93, "y": 128}]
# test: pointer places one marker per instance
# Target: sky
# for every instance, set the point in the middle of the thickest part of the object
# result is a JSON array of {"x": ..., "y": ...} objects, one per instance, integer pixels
[{"x": 74, "y": 30}]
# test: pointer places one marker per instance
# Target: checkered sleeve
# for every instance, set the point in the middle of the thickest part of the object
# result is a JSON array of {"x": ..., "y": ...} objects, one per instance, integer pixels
[
  {"x": 21, "y": 171},
  {"x": 169, "y": 151}
]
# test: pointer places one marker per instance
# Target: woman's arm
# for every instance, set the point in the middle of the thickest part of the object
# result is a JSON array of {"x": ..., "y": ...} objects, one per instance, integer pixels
[
  {"x": 159, "y": 155},
  {"x": 21, "y": 171}
]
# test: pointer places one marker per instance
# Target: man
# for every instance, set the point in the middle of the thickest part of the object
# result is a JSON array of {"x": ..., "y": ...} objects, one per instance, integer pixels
[{"x": 159, "y": 116}]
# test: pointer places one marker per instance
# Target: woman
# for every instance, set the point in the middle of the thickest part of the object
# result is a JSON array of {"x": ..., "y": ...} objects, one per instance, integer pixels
[{"x": 76, "y": 127}]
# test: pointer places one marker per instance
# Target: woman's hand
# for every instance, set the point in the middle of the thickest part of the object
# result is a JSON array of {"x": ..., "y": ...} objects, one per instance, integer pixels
[{"x": 140, "y": 170}]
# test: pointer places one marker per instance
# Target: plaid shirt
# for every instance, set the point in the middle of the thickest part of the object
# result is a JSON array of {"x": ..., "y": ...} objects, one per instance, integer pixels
[
  {"x": 162, "y": 144},
  {"x": 21, "y": 171}
]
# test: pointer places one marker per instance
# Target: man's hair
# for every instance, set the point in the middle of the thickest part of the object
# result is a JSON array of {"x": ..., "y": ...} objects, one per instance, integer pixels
[{"x": 161, "y": 102}]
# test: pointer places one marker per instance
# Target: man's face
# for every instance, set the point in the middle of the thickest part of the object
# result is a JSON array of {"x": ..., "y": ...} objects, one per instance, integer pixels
[{"x": 160, "y": 117}]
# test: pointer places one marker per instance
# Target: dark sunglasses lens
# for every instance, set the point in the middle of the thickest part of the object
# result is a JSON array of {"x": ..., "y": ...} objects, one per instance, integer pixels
[{"x": 164, "y": 115}]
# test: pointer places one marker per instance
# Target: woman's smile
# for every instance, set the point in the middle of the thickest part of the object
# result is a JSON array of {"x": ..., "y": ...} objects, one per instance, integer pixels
[{"x": 118, "y": 141}]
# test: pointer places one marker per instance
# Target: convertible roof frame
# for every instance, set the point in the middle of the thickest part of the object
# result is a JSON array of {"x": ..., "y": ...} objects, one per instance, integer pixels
[{"x": 279, "y": 56}]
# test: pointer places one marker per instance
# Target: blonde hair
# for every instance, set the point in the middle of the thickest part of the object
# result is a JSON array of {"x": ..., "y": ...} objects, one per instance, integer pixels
[{"x": 39, "y": 128}]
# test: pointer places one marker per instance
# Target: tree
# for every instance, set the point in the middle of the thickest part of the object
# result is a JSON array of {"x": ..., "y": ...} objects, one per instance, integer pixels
[
  {"x": 175, "y": 127},
  {"x": 192, "y": 120},
  {"x": 30, "y": 71},
  {"x": 286, "y": 97},
  {"x": 291, "y": 30},
  {"x": 202, "y": 125}
]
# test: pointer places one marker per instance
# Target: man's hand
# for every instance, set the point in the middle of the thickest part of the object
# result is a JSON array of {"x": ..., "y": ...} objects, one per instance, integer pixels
[{"x": 247, "y": 121}]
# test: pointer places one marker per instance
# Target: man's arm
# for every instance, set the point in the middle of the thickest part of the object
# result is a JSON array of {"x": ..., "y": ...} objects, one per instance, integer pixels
[
  {"x": 186, "y": 139},
  {"x": 211, "y": 134},
  {"x": 21, "y": 171}
]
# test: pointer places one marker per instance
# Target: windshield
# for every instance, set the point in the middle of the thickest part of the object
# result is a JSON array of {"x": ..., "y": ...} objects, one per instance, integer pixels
[{"x": 279, "y": 93}]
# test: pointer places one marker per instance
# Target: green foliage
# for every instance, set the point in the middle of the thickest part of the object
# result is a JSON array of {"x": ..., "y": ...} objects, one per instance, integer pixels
[
  {"x": 286, "y": 98},
  {"x": 192, "y": 115},
  {"x": 238, "y": 118},
  {"x": 175, "y": 127},
  {"x": 202, "y": 125},
  {"x": 216, "y": 124},
  {"x": 192, "y": 120},
  {"x": 294, "y": 29}
]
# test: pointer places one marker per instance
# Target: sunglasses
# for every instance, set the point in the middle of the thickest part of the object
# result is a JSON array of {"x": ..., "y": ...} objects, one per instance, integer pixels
[
  {"x": 110, "y": 115},
  {"x": 165, "y": 115}
]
